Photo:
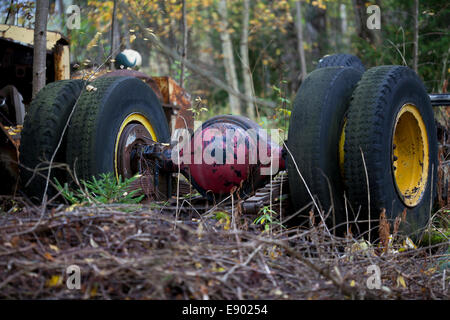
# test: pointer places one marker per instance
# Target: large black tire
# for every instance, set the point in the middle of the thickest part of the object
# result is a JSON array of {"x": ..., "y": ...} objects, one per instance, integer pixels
[
  {"x": 341, "y": 60},
  {"x": 373, "y": 127},
  {"x": 43, "y": 126},
  {"x": 315, "y": 129},
  {"x": 100, "y": 113}
]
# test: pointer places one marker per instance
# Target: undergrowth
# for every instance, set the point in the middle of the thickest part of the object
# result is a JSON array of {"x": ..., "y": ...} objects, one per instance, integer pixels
[{"x": 105, "y": 189}]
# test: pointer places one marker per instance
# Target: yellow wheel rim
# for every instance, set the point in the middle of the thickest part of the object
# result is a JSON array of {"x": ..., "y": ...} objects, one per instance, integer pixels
[
  {"x": 410, "y": 155},
  {"x": 132, "y": 118}
]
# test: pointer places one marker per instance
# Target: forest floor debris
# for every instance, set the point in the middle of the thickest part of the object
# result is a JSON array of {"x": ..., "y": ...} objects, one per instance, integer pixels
[{"x": 143, "y": 252}]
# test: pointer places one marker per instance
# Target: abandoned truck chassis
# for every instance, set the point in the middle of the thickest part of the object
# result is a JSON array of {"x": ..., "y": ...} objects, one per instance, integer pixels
[{"x": 138, "y": 141}]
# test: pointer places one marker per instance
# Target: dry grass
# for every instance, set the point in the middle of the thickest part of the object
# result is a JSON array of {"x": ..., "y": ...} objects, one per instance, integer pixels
[{"x": 140, "y": 255}]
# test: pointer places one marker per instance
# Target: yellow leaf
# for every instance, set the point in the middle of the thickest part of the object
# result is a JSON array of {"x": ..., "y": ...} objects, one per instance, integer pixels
[
  {"x": 70, "y": 209},
  {"x": 401, "y": 281},
  {"x": 278, "y": 292},
  {"x": 132, "y": 38},
  {"x": 408, "y": 243},
  {"x": 94, "y": 291},
  {"x": 352, "y": 283},
  {"x": 430, "y": 271},
  {"x": 54, "y": 248},
  {"x": 48, "y": 256},
  {"x": 226, "y": 222},
  {"x": 220, "y": 269},
  {"x": 54, "y": 281}
]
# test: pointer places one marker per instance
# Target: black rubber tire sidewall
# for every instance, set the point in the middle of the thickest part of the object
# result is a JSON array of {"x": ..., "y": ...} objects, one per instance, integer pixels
[
  {"x": 313, "y": 139},
  {"x": 377, "y": 154},
  {"x": 124, "y": 99},
  {"x": 124, "y": 96},
  {"x": 341, "y": 60},
  {"x": 43, "y": 126}
]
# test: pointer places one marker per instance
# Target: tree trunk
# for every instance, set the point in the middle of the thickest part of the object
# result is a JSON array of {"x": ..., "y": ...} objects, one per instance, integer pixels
[
  {"x": 301, "y": 50},
  {"x": 11, "y": 14},
  {"x": 173, "y": 54},
  {"x": 115, "y": 36},
  {"x": 246, "y": 72},
  {"x": 61, "y": 11},
  {"x": 371, "y": 36},
  {"x": 126, "y": 32},
  {"x": 185, "y": 39},
  {"x": 358, "y": 6},
  {"x": 416, "y": 36},
  {"x": 344, "y": 26},
  {"x": 40, "y": 46},
  {"x": 228, "y": 58},
  {"x": 316, "y": 30}
]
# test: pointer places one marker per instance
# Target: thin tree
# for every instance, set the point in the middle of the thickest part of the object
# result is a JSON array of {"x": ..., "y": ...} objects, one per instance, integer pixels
[
  {"x": 185, "y": 39},
  {"x": 371, "y": 36},
  {"x": 344, "y": 25},
  {"x": 10, "y": 16},
  {"x": 246, "y": 72},
  {"x": 61, "y": 12},
  {"x": 228, "y": 58},
  {"x": 301, "y": 51},
  {"x": 173, "y": 54},
  {"x": 40, "y": 46},
  {"x": 126, "y": 31},
  {"x": 416, "y": 36},
  {"x": 115, "y": 37}
]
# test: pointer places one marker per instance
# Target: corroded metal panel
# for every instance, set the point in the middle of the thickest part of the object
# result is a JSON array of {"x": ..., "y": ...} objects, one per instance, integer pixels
[
  {"x": 25, "y": 36},
  {"x": 62, "y": 62},
  {"x": 174, "y": 95}
]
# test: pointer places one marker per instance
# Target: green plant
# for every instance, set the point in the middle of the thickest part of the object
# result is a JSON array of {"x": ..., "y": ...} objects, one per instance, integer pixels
[
  {"x": 106, "y": 189},
  {"x": 267, "y": 218},
  {"x": 282, "y": 100},
  {"x": 198, "y": 107},
  {"x": 278, "y": 117},
  {"x": 223, "y": 218},
  {"x": 191, "y": 195}
]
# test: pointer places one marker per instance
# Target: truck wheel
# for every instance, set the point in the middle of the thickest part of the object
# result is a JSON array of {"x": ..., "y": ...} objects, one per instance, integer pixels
[
  {"x": 42, "y": 129},
  {"x": 113, "y": 116},
  {"x": 341, "y": 60},
  {"x": 315, "y": 139},
  {"x": 391, "y": 124}
]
